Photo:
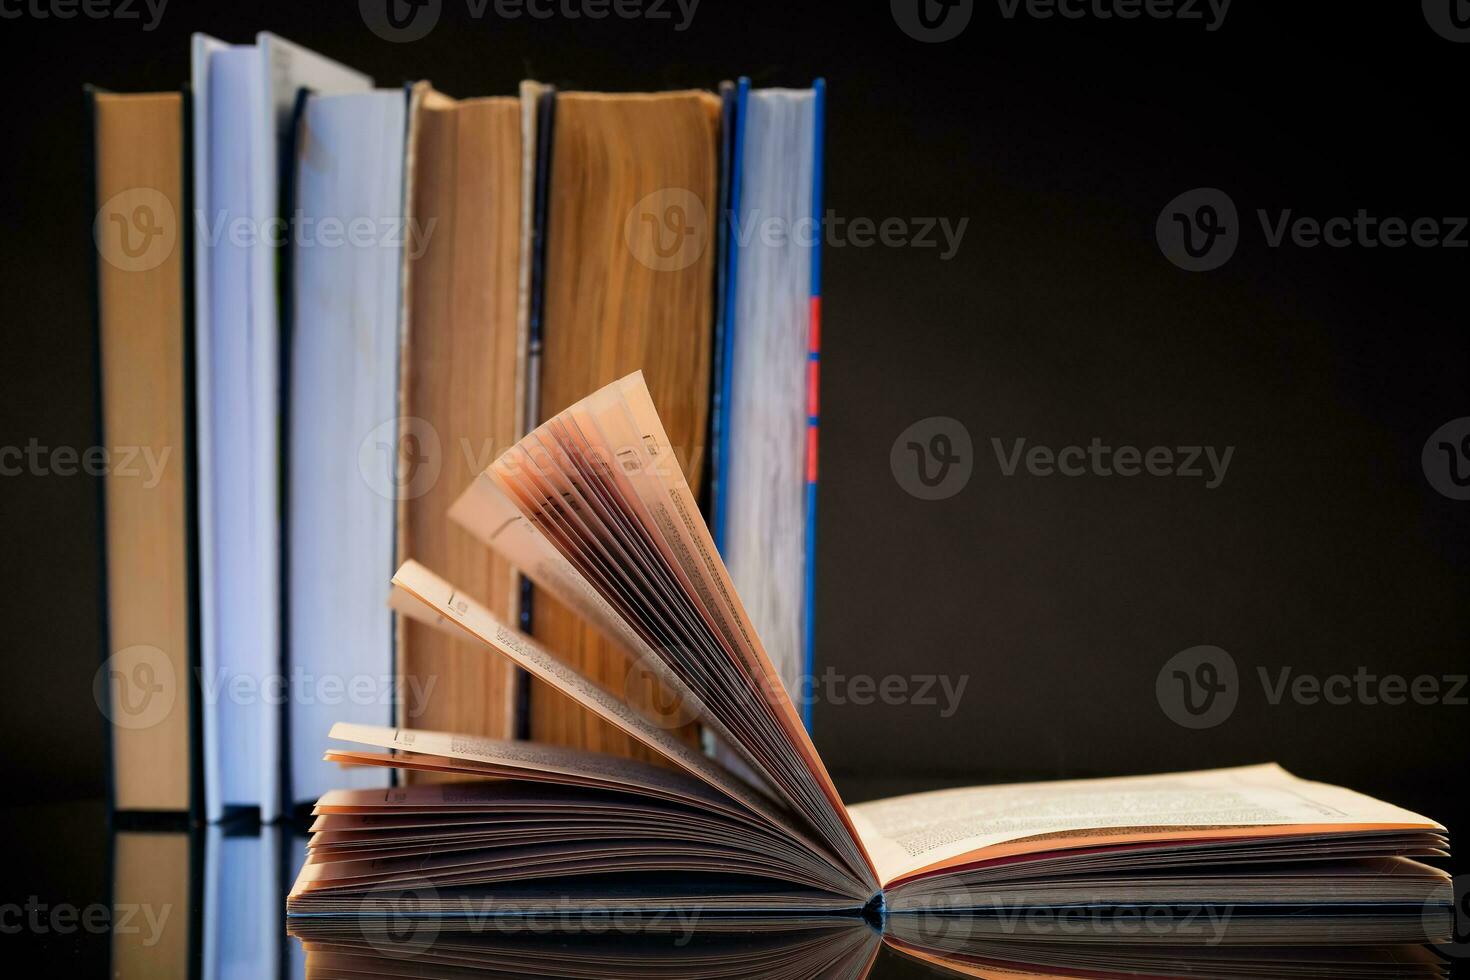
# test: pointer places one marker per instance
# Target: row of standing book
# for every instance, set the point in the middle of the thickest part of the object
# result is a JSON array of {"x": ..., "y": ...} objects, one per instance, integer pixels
[{"x": 327, "y": 306}]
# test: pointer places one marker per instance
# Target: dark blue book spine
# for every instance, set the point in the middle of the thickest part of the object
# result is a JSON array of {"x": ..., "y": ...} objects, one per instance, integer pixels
[
  {"x": 727, "y": 348},
  {"x": 813, "y": 414}
]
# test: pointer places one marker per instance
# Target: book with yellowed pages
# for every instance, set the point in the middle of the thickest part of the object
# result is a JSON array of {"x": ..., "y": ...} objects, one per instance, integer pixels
[
  {"x": 592, "y": 507},
  {"x": 626, "y": 282},
  {"x": 462, "y": 388}
]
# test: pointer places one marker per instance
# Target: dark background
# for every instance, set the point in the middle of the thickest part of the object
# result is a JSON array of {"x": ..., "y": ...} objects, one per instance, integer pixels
[{"x": 1325, "y": 548}]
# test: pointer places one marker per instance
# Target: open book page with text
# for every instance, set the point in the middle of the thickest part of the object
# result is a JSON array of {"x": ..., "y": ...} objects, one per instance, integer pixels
[{"x": 929, "y": 832}]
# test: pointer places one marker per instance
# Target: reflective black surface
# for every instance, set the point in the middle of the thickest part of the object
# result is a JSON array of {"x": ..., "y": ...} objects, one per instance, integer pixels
[{"x": 80, "y": 899}]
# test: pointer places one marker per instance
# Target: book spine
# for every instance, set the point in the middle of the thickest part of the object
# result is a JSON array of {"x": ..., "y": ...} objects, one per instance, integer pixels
[
  {"x": 199, "y": 87},
  {"x": 535, "y": 342},
  {"x": 723, "y": 399},
  {"x": 104, "y": 623},
  {"x": 285, "y": 354},
  {"x": 724, "y": 266},
  {"x": 191, "y": 471},
  {"x": 813, "y": 397}
]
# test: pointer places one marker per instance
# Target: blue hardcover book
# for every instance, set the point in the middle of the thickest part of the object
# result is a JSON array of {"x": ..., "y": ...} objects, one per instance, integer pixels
[{"x": 766, "y": 396}]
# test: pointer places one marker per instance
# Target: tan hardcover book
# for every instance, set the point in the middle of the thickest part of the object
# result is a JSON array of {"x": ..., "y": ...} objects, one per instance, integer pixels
[
  {"x": 629, "y": 276},
  {"x": 139, "y": 234},
  {"x": 463, "y": 387}
]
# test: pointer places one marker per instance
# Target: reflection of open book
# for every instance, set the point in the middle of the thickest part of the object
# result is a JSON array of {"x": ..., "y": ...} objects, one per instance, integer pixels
[
  {"x": 636, "y": 948},
  {"x": 592, "y": 507}
]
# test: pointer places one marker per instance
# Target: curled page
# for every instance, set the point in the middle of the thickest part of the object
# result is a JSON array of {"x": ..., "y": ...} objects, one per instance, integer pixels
[
  {"x": 477, "y": 622},
  {"x": 599, "y": 485},
  {"x": 537, "y": 761},
  {"x": 487, "y": 512}
]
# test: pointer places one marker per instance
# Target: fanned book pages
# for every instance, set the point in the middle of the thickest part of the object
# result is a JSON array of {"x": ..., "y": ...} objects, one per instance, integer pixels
[
  {"x": 593, "y": 506},
  {"x": 463, "y": 388},
  {"x": 627, "y": 284}
]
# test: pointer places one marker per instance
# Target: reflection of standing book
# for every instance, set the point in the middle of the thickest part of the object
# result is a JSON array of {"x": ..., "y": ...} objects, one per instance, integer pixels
[
  {"x": 242, "y": 936},
  {"x": 152, "y": 885},
  {"x": 593, "y": 507},
  {"x": 202, "y": 903}
]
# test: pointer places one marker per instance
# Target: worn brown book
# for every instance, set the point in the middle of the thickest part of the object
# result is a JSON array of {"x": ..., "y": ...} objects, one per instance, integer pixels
[
  {"x": 463, "y": 380},
  {"x": 139, "y": 232},
  {"x": 629, "y": 276}
]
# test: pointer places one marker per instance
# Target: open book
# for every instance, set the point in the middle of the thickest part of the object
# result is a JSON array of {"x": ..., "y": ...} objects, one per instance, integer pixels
[{"x": 593, "y": 508}]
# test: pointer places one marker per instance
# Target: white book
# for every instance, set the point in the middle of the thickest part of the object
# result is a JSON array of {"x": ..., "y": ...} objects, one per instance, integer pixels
[
  {"x": 342, "y": 457},
  {"x": 243, "y": 98}
]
